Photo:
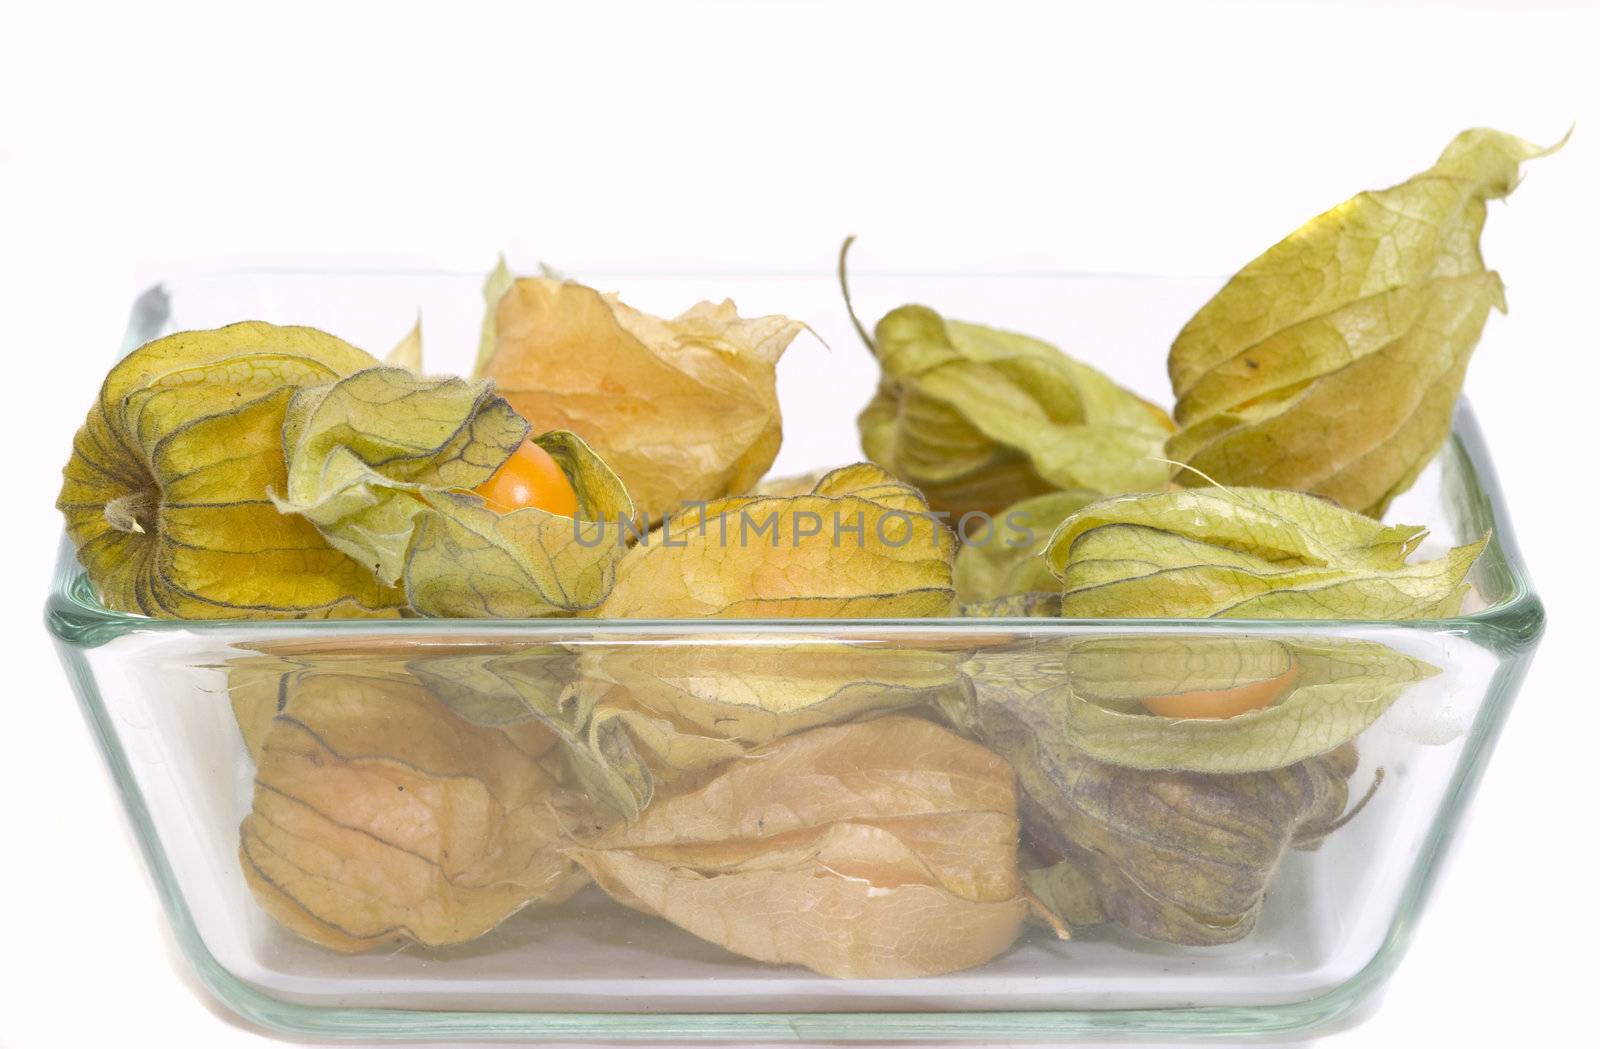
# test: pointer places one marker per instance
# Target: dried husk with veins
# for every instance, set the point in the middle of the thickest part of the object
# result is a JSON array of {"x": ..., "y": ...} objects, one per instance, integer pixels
[
  {"x": 632, "y": 719},
  {"x": 635, "y": 717},
  {"x": 1236, "y": 552},
  {"x": 1180, "y": 857},
  {"x": 683, "y": 409},
  {"x": 384, "y": 463},
  {"x": 1332, "y": 362},
  {"x": 167, "y": 493},
  {"x": 1169, "y": 775},
  {"x": 1174, "y": 827},
  {"x": 859, "y": 544},
  {"x": 978, "y": 418},
  {"x": 1003, "y": 556},
  {"x": 380, "y": 816},
  {"x": 877, "y": 849}
]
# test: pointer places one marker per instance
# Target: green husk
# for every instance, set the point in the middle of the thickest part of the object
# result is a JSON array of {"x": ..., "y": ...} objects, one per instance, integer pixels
[
  {"x": 1248, "y": 553},
  {"x": 1378, "y": 302},
  {"x": 382, "y": 462}
]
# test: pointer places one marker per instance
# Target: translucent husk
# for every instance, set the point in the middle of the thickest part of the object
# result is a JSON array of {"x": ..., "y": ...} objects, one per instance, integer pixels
[
  {"x": 684, "y": 409},
  {"x": 884, "y": 848},
  {"x": 1174, "y": 855},
  {"x": 379, "y": 815}
]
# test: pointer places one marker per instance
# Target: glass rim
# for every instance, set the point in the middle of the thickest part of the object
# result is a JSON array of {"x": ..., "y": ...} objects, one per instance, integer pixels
[{"x": 75, "y": 614}]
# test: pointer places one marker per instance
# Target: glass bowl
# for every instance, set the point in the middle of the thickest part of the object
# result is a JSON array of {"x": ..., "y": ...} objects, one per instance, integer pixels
[{"x": 1334, "y": 921}]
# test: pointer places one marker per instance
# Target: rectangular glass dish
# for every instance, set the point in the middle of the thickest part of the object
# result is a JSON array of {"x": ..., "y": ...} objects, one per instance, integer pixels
[{"x": 1334, "y": 922}]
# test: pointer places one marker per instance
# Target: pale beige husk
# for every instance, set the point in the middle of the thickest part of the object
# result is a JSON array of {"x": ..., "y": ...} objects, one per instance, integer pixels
[
  {"x": 683, "y": 409},
  {"x": 885, "y": 848},
  {"x": 379, "y": 815}
]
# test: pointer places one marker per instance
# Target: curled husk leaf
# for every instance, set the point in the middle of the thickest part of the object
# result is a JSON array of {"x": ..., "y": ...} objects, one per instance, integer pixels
[
  {"x": 1004, "y": 556},
  {"x": 537, "y": 687},
  {"x": 1175, "y": 855},
  {"x": 166, "y": 494},
  {"x": 684, "y": 410},
  {"x": 685, "y": 708},
  {"x": 382, "y": 462},
  {"x": 884, "y": 848},
  {"x": 1377, "y": 303},
  {"x": 635, "y": 717},
  {"x": 757, "y": 693},
  {"x": 979, "y": 418},
  {"x": 1248, "y": 553},
  {"x": 466, "y": 682},
  {"x": 380, "y": 816},
  {"x": 1102, "y": 697},
  {"x": 860, "y": 544}
]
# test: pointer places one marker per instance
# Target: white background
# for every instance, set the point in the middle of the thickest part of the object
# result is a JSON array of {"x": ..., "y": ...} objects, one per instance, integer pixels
[{"x": 149, "y": 139}]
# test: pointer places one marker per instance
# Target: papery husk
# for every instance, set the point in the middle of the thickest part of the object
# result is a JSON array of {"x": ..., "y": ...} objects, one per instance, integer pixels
[
  {"x": 877, "y": 849},
  {"x": 380, "y": 816},
  {"x": 979, "y": 419},
  {"x": 756, "y": 693},
  {"x": 1248, "y": 553},
  {"x": 1087, "y": 694},
  {"x": 1173, "y": 855},
  {"x": 684, "y": 410},
  {"x": 1183, "y": 857},
  {"x": 747, "y": 557},
  {"x": 598, "y": 755},
  {"x": 688, "y": 708},
  {"x": 1374, "y": 305},
  {"x": 259, "y": 682},
  {"x": 166, "y": 494},
  {"x": 257, "y": 691},
  {"x": 1004, "y": 556},
  {"x": 382, "y": 462},
  {"x": 634, "y": 718}
]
